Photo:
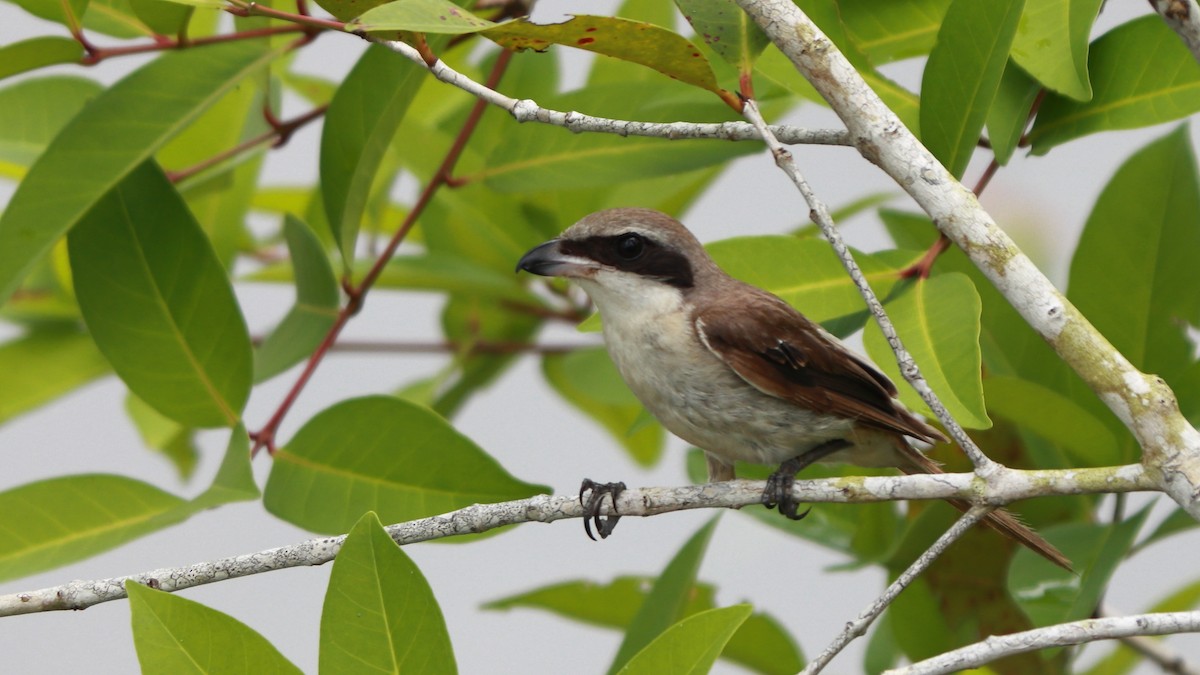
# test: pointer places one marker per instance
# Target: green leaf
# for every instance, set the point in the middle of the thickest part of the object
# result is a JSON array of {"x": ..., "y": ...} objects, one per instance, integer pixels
[
  {"x": 1057, "y": 418},
  {"x": 587, "y": 379},
  {"x": 690, "y": 646},
  {"x": 102, "y": 146},
  {"x": 727, "y": 29},
  {"x": 31, "y": 114},
  {"x": 1140, "y": 309},
  {"x": 60, "y": 520},
  {"x": 44, "y": 364},
  {"x": 807, "y": 273},
  {"x": 963, "y": 75},
  {"x": 1142, "y": 74},
  {"x": 533, "y": 158},
  {"x": 1048, "y": 594},
  {"x": 1009, "y": 114},
  {"x": 165, "y": 18},
  {"x": 1052, "y": 44},
  {"x": 361, "y": 121},
  {"x": 380, "y": 613},
  {"x": 633, "y": 41},
  {"x": 761, "y": 644},
  {"x": 938, "y": 321},
  {"x": 422, "y": 16},
  {"x": 53, "y": 522},
  {"x": 386, "y": 455},
  {"x": 175, "y": 635},
  {"x": 891, "y": 31},
  {"x": 158, "y": 303},
  {"x": 315, "y": 309},
  {"x": 667, "y": 598},
  {"x": 39, "y": 52},
  {"x": 234, "y": 481},
  {"x": 169, "y": 438},
  {"x": 54, "y": 11}
]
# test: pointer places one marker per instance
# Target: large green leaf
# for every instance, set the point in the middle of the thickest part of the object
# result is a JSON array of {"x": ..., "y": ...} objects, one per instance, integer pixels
[
  {"x": 1034, "y": 407},
  {"x": 1049, "y": 594},
  {"x": 163, "y": 17},
  {"x": 158, "y": 303},
  {"x": 361, "y": 120},
  {"x": 44, "y": 364},
  {"x": 1052, "y": 44},
  {"x": 590, "y": 382},
  {"x": 761, "y": 644},
  {"x": 963, "y": 75},
  {"x": 39, "y": 52},
  {"x": 890, "y": 31},
  {"x": 807, "y": 273},
  {"x": 380, "y": 613},
  {"x": 728, "y": 30},
  {"x": 1009, "y": 115},
  {"x": 1142, "y": 74},
  {"x": 60, "y": 520},
  {"x": 633, "y": 41},
  {"x": 691, "y": 646},
  {"x": 938, "y": 321},
  {"x": 32, "y": 112},
  {"x": 104, "y": 144},
  {"x": 422, "y": 16},
  {"x": 1134, "y": 271},
  {"x": 315, "y": 309},
  {"x": 386, "y": 455},
  {"x": 666, "y": 600},
  {"x": 175, "y": 635}
]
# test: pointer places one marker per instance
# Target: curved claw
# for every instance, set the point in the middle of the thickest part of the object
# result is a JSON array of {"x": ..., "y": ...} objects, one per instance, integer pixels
[{"x": 591, "y": 508}]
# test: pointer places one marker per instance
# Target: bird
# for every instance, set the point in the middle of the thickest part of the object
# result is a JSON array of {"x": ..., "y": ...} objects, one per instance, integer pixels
[{"x": 733, "y": 369}]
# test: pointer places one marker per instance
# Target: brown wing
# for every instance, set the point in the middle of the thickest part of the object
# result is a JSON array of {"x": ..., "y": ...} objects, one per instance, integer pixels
[{"x": 782, "y": 353}]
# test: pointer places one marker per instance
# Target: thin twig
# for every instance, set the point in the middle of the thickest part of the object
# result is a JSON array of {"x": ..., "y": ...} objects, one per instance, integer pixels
[
  {"x": 96, "y": 54},
  {"x": 1059, "y": 635},
  {"x": 734, "y": 494},
  {"x": 858, "y": 627},
  {"x": 819, "y": 214},
  {"x": 527, "y": 110},
  {"x": 279, "y": 134}
]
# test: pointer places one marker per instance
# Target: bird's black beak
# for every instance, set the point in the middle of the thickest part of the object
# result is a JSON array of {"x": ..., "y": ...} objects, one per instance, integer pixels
[{"x": 548, "y": 260}]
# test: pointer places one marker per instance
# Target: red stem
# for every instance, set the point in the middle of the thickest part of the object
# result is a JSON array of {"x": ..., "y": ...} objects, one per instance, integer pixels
[
  {"x": 97, "y": 54},
  {"x": 356, "y": 295},
  {"x": 280, "y": 132}
]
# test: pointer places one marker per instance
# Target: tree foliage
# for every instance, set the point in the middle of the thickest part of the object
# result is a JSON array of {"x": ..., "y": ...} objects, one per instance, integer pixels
[{"x": 129, "y": 232}]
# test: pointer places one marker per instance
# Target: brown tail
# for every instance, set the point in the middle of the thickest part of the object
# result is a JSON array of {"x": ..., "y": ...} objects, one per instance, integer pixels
[{"x": 999, "y": 520}]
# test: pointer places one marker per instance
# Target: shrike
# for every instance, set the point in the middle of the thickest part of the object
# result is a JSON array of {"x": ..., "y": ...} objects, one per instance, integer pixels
[{"x": 733, "y": 369}]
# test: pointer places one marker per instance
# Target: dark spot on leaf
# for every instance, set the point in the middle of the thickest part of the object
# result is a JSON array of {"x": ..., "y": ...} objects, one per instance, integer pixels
[
  {"x": 585, "y": 41},
  {"x": 695, "y": 55},
  {"x": 589, "y": 30}
]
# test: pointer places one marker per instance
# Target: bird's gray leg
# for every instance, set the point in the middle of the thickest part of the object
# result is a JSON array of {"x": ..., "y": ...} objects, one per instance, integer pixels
[
  {"x": 779, "y": 484},
  {"x": 591, "y": 508}
]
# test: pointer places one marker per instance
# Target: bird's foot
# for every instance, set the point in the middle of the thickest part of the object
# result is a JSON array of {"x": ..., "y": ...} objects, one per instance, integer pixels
[
  {"x": 779, "y": 490},
  {"x": 779, "y": 484},
  {"x": 591, "y": 508}
]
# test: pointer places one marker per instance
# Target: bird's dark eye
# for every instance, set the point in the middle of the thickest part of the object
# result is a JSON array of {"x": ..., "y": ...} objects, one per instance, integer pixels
[{"x": 630, "y": 246}]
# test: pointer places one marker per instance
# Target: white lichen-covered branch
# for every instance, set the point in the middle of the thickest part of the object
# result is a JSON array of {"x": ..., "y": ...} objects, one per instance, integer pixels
[
  {"x": 528, "y": 110},
  {"x": 1010, "y": 485},
  {"x": 1060, "y": 635},
  {"x": 1145, "y": 403}
]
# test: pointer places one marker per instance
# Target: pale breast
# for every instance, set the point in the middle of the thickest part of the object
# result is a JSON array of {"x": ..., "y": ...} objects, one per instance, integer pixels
[{"x": 701, "y": 400}]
